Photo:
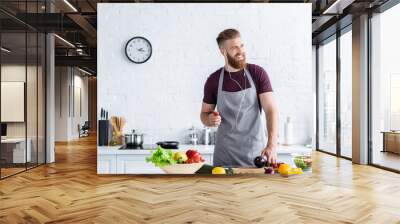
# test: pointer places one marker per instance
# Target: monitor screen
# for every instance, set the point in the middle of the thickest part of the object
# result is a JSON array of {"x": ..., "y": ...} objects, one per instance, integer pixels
[{"x": 3, "y": 129}]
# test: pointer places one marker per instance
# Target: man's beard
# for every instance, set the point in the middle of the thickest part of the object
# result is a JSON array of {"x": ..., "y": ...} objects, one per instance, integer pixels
[{"x": 237, "y": 63}]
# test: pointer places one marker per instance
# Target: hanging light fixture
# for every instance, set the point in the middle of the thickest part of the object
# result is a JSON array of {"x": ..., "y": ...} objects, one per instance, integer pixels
[
  {"x": 70, "y": 5},
  {"x": 5, "y": 50}
]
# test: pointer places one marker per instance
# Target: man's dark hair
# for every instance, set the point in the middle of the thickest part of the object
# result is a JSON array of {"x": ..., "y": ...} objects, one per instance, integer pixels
[{"x": 227, "y": 35}]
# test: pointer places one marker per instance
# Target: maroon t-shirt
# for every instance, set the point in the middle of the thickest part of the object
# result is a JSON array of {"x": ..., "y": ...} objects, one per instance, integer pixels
[{"x": 257, "y": 73}]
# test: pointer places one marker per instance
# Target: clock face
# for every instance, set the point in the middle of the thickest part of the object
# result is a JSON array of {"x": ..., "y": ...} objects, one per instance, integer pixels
[{"x": 138, "y": 50}]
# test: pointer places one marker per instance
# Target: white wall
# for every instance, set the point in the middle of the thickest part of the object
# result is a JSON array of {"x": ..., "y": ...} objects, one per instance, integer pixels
[
  {"x": 61, "y": 103},
  {"x": 163, "y": 96},
  {"x": 67, "y": 80}
]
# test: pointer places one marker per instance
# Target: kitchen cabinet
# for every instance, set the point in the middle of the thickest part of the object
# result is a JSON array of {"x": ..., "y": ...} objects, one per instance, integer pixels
[
  {"x": 107, "y": 164},
  {"x": 135, "y": 164}
]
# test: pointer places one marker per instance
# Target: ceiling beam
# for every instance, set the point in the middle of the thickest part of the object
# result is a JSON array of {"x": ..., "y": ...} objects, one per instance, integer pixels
[
  {"x": 83, "y": 23},
  {"x": 337, "y": 7},
  {"x": 86, "y": 61}
]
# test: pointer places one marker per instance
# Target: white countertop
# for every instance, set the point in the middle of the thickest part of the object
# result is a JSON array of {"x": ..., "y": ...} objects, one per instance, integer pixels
[
  {"x": 289, "y": 149},
  {"x": 113, "y": 150},
  {"x": 203, "y": 149}
]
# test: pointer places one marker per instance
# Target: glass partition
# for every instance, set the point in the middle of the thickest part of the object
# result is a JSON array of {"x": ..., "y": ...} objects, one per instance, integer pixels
[
  {"x": 22, "y": 77},
  {"x": 13, "y": 95}
]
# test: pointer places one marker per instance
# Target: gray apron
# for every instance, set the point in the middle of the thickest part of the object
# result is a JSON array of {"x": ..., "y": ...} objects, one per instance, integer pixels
[{"x": 239, "y": 137}]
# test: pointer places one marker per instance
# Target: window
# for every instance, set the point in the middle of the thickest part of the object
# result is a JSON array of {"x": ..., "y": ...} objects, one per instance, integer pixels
[
  {"x": 385, "y": 89},
  {"x": 346, "y": 93},
  {"x": 327, "y": 96}
]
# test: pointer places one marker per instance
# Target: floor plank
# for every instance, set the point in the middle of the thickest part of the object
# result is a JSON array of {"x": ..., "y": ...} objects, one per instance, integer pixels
[{"x": 70, "y": 191}]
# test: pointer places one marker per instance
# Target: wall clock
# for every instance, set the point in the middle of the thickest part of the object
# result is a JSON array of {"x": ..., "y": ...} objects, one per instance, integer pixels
[{"x": 138, "y": 50}]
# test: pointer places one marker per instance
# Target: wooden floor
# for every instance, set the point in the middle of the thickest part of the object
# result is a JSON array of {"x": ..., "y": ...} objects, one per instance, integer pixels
[
  {"x": 10, "y": 171},
  {"x": 387, "y": 159},
  {"x": 70, "y": 191}
]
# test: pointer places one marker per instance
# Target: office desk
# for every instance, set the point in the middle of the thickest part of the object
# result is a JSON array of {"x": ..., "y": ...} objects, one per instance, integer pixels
[{"x": 13, "y": 150}]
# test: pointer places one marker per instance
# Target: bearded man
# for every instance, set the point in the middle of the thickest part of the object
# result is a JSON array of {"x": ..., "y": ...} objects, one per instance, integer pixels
[{"x": 234, "y": 97}]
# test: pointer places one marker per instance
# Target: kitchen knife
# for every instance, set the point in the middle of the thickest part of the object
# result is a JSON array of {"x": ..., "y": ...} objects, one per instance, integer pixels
[
  {"x": 101, "y": 114},
  {"x": 106, "y": 115}
]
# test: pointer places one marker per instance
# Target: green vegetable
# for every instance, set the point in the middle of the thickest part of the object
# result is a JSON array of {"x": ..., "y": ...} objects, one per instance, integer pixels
[
  {"x": 299, "y": 162},
  {"x": 205, "y": 169},
  {"x": 161, "y": 157}
]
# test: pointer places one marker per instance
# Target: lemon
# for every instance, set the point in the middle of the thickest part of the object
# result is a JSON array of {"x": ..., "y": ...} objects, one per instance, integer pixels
[
  {"x": 296, "y": 171},
  {"x": 180, "y": 156},
  {"x": 218, "y": 170}
]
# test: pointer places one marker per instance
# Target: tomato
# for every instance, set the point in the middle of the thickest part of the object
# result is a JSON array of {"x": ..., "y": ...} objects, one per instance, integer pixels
[
  {"x": 194, "y": 156},
  {"x": 197, "y": 158},
  {"x": 190, "y": 153}
]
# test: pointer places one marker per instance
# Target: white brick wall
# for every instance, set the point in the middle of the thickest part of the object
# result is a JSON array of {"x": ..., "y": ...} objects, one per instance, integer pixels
[{"x": 163, "y": 96}]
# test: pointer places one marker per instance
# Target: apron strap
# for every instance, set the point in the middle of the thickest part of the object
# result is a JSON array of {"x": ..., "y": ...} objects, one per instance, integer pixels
[
  {"x": 220, "y": 82},
  {"x": 253, "y": 84}
]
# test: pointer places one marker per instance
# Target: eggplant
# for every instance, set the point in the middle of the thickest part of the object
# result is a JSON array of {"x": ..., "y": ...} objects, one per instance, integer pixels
[{"x": 261, "y": 161}]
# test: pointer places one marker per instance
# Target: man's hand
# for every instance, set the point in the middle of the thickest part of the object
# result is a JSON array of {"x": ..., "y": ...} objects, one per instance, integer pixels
[
  {"x": 214, "y": 119},
  {"x": 270, "y": 108},
  {"x": 270, "y": 152}
]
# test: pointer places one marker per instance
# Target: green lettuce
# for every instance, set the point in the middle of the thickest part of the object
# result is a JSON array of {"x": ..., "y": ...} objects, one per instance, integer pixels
[{"x": 161, "y": 157}]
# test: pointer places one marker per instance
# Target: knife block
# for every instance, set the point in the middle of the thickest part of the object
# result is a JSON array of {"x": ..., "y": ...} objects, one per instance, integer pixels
[{"x": 103, "y": 135}]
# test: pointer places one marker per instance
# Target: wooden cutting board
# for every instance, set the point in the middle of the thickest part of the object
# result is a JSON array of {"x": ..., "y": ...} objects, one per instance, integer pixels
[
  {"x": 249, "y": 170},
  {"x": 207, "y": 169}
]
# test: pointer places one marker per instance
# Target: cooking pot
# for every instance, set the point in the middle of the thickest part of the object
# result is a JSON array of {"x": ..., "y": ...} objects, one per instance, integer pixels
[{"x": 134, "y": 139}]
